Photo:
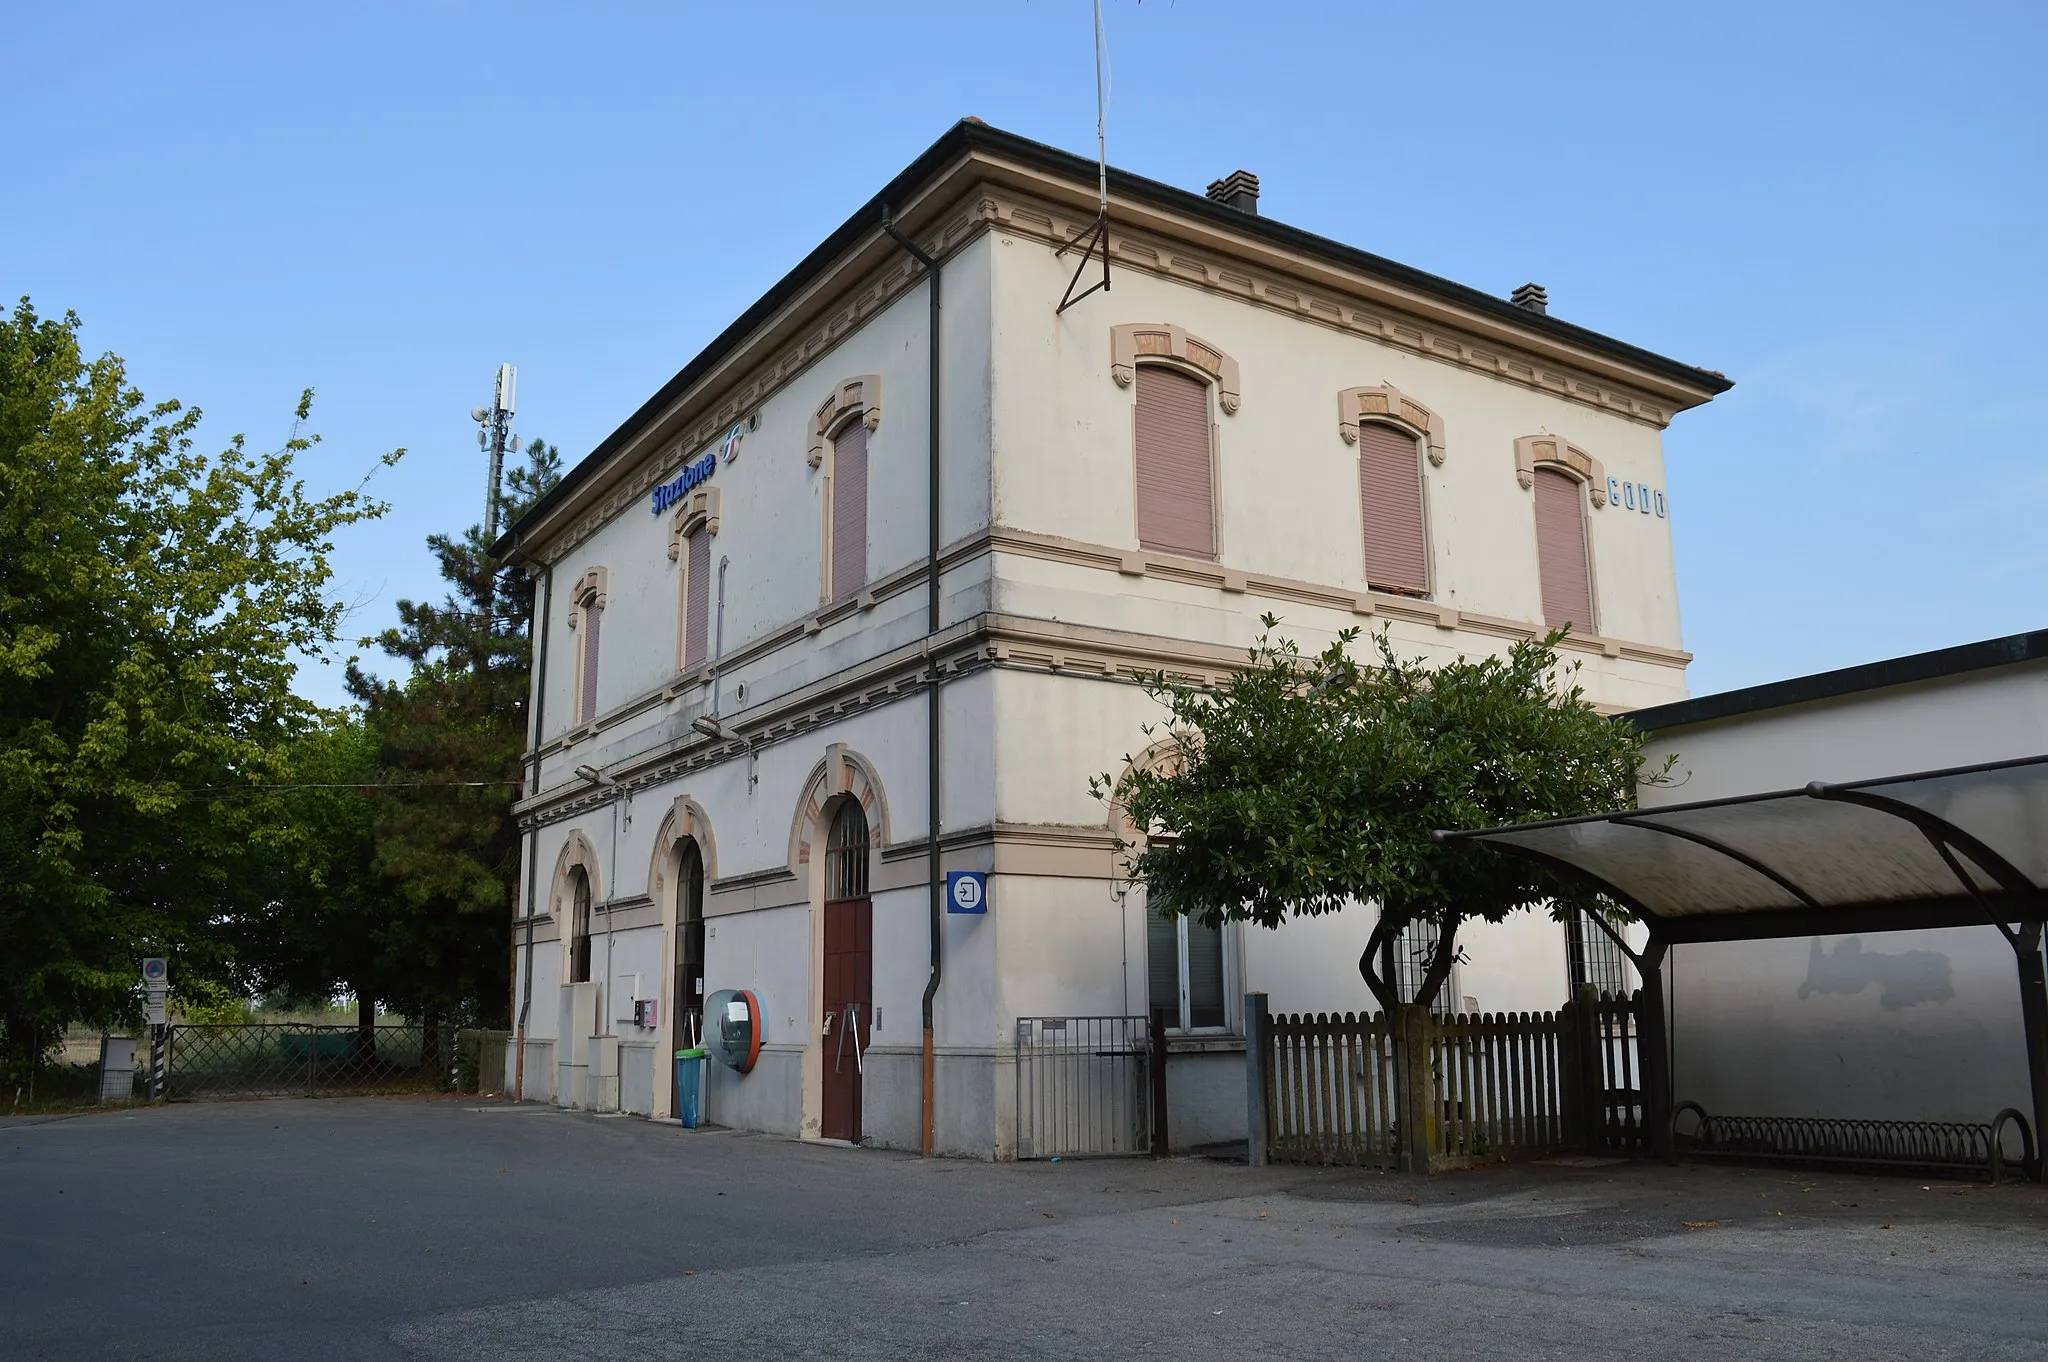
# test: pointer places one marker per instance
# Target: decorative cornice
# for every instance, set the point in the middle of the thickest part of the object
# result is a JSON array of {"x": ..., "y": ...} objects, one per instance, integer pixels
[
  {"x": 1388, "y": 403},
  {"x": 902, "y": 668},
  {"x": 1334, "y": 300},
  {"x": 780, "y": 353},
  {"x": 1012, "y": 642}
]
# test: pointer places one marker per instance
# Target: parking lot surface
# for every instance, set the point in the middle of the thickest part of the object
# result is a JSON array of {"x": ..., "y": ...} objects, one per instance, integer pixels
[{"x": 453, "y": 1228}]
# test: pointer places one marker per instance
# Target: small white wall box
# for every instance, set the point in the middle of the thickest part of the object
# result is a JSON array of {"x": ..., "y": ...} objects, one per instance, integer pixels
[{"x": 117, "y": 1068}]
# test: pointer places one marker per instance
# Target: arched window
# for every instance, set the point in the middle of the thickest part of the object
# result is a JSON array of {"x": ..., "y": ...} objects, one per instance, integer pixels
[
  {"x": 1390, "y": 499},
  {"x": 1176, "y": 479},
  {"x": 848, "y": 534},
  {"x": 1562, "y": 562},
  {"x": 579, "y": 926},
  {"x": 689, "y": 1004},
  {"x": 846, "y": 853}
]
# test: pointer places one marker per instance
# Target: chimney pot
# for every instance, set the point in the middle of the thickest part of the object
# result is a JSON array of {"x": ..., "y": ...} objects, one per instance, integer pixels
[
  {"x": 1239, "y": 189},
  {"x": 1533, "y": 297}
]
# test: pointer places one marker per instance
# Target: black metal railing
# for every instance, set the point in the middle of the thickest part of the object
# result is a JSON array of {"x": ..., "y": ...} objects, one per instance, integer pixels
[
  {"x": 289, "y": 1059},
  {"x": 1927, "y": 1146}
]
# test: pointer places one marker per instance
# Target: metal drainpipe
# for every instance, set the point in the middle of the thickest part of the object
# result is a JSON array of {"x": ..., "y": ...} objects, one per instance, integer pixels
[
  {"x": 937, "y": 877},
  {"x": 540, "y": 700},
  {"x": 718, "y": 637}
]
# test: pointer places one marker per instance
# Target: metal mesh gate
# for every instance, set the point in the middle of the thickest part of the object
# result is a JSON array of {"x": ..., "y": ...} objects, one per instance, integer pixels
[
  {"x": 1083, "y": 1086},
  {"x": 251, "y": 1060}
]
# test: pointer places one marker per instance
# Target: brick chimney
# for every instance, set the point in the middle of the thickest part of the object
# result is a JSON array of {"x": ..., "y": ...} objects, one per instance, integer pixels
[{"x": 1239, "y": 189}]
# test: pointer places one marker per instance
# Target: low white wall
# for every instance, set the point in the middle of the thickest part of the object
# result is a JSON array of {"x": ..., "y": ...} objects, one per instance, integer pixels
[{"x": 1910, "y": 1026}]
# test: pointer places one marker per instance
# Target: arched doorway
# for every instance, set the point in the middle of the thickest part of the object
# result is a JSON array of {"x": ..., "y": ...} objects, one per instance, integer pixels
[
  {"x": 579, "y": 925},
  {"x": 849, "y": 971},
  {"x": 688, "y": 1016}
]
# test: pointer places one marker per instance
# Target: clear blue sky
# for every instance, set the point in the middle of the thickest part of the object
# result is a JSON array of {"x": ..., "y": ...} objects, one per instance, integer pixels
[{"x": 1841, "y": 205}]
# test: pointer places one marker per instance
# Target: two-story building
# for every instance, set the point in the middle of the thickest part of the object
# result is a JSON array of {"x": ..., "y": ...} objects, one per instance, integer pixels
[{"x": 858, "y": 598}]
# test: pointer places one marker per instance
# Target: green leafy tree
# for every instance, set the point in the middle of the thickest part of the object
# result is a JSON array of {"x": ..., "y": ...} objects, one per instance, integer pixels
[
  {"x": 451, "y": 736},
  {"x": 155, "y": 601},
  {"x": 1302, "y": 784},
  {"x": 312, "y": 925}
]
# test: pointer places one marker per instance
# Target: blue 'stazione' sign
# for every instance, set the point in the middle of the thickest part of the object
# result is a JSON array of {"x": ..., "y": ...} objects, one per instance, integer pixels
[{"x": 674, "y": 490}]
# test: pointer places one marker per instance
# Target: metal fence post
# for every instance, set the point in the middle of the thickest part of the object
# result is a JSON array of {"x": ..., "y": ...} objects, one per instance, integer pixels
[
  {"x": 1161, "y": 1145},
  {"x": 312, "y": 1062},
  {"x": 1257, "y": 1118},
  {"x": 1653, "y": 1054}
]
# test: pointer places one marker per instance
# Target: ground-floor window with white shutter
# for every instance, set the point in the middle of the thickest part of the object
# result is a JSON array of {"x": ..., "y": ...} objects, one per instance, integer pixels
[{"x": 1184, "y": 963}]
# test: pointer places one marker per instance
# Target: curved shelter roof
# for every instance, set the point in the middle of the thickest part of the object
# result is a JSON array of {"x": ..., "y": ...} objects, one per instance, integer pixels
[{"x": 1960, "y": 847}]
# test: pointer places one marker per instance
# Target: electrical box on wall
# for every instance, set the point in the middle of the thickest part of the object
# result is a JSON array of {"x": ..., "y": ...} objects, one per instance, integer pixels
[{"x": 646, "y": 1013}]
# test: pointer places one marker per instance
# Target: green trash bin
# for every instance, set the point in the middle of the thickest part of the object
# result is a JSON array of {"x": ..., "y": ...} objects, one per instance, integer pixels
[{"x": 689, "y": 1087}]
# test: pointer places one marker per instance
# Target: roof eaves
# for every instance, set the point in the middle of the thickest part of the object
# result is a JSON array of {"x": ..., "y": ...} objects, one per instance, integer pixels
[
  {"x": 971, "y": 134},
  {"x": 1869, "y": 676}
]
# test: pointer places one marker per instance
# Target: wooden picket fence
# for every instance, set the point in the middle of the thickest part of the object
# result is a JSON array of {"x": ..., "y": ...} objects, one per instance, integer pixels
[
  {"x": 1332, "y": 1095},
  {"x": 1500, "y": 1083},
  {"x": 1334, "y": 1089}
]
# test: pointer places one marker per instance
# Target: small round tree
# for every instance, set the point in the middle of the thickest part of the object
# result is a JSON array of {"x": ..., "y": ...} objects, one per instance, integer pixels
[{"x": 1304, "y": 783}]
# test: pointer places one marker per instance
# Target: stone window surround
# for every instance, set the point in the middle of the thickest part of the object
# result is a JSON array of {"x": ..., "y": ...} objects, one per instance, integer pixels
[
  {"x": 1389, "y": 404},
  {"x": 1133, "y": 342},
  {"x": 1561, "y": 453},
  {"x": 700, "y": 507},
  {"x": 686, "y": 821},
  {"x": 589, "y": 592},
  {"x": 576, "y": 852},
  {"x": 857, "y": 397},
  {"x": 842, "y": 772}
]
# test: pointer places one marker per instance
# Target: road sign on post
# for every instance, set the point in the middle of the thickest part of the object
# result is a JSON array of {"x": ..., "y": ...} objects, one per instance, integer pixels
[{"x": 156, "y": 985}]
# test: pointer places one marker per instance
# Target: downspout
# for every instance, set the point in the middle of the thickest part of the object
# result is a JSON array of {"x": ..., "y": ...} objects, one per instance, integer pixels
[
  {"x": 931, "y": 628},
  {"x": 540, "y": 698}
]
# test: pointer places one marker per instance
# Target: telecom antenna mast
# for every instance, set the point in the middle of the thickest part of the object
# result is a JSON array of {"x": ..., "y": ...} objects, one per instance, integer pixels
[
  {"x": 495, "y": 435},
  {"x": 1099, "y": 236}
]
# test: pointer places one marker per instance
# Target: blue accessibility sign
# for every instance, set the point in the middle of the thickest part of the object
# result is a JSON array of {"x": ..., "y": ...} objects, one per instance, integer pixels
[{"x": 966, "y": 891}]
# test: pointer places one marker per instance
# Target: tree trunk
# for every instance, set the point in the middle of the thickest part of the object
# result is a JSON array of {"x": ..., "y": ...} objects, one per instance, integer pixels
[
  {"x": 430, "y": 1040},
  {"x": 366, "y": 1024}
]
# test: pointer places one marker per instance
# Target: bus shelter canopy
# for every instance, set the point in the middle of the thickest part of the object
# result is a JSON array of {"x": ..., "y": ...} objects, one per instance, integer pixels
[{"x": 1961, "y": 847}]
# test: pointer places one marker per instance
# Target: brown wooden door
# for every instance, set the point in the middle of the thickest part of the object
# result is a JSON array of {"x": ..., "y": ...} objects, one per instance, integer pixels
[{"x": 849, "y": 1011}]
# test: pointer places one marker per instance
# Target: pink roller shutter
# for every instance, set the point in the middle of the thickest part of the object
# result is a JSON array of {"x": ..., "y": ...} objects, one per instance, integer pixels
[
  {"x": 697, "y": 609},
  {"x": 593, "y": 619},
  {"x": 1175, "y": 481},
  {"x": 1390, "y": 502},
  {"x": 1561, "y": 551},
  {"x": 849, "y": 510}
]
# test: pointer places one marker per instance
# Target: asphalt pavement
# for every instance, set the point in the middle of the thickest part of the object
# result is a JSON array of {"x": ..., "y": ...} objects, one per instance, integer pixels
[{"x": 451, "y": 1228}]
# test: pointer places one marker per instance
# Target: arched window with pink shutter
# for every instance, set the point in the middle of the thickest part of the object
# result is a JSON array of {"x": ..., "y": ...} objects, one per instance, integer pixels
[
  {"x": 1563, "y": 562},
  {"x": 1391, "y": 510}
]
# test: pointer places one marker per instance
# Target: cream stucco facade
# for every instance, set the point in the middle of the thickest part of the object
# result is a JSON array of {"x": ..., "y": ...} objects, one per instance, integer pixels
[{"x": 1048, "y": 607}]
